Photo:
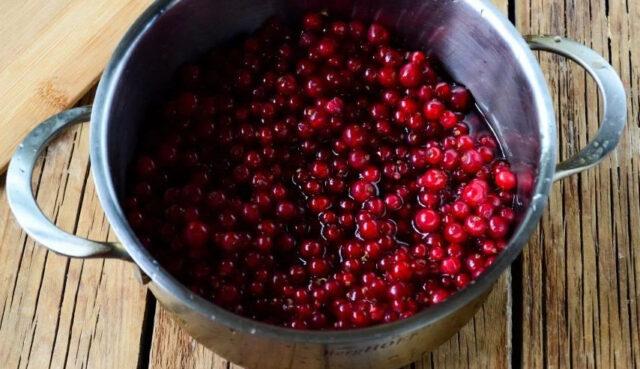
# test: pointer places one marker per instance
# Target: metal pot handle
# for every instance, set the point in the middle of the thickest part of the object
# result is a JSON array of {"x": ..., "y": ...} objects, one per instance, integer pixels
[
  {"x": 614, "y": 98},
  {"x": 22, "y": 201}
]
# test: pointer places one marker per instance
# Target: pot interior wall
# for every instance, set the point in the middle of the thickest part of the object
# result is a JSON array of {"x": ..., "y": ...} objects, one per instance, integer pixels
[{"x": 473, "y": 52}]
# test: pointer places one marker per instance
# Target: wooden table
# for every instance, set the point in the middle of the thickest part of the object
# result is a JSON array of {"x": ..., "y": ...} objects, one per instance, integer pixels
[{"x": 570, "y": 300}]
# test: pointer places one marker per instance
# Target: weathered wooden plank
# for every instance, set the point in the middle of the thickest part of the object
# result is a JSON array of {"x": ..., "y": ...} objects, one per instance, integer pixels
[
  {"x": 580, "y": 271},
  {"x": 625, "y": 49},
  {"x": 62, "y": 313},
  {"x": 172, "y": 347},
  {"x": 482, "y": 343},
  {"x": 52, "y": 53}
]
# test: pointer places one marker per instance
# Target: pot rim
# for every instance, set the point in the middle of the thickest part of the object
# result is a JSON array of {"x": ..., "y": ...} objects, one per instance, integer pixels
[{"x": 162, "y": 279}]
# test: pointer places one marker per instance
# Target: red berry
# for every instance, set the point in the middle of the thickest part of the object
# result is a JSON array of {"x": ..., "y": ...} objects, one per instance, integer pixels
[
  {"x": 474, "y": 193},
  {"x": 448, "y": 120},
  {"x": 387, "y": 76},
  {"x": 318, "y": 204},
  {"x": 358, "y": 159},
  {"x": 454, "y": 232},
  {"x": 433, "y": 179},
  {"x": 433, "y": 110},
  {"x": 334, "y": 106},
  {"x": 451, "y": 266},
  {"x": 443, "y": 91},
  {"x": 186, "y": 104},
  {"x": 369, "y": 229},
  {"x": 471, "y": 161},
  {"x": 362, "y": 190},
  {"x": 318, "y": 267},
  {"x": 286, "y": 210},
  {"x": 401, "y": 271},
  {"x": 312, "y": 21},
  {"x": 460, "y": 99},
  {"x": 410, "y": 75},
  {"x": 326, "y": 47},
  {"x": 393, "y": 202},
  {"x": 439, "y": 296},
  {"x": 196, "y": 234},
  {"x": 505, "y": 179},
  {"x": 498, "y": 227},
  {"x": 475, "y": 225},
  {"x": 427, "y": 220},
  {"x": 377, "y": 34},
  {"x": 145, "y": 167},
  {"x": 354, "y": 136},
  {"x": 371, "y": 174}
]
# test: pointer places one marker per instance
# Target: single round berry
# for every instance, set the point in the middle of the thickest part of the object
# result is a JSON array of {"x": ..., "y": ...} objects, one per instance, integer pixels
[
  {"x": 362, "y": 190},
  {"x": 393, "y": 202},
  {"x": 505, "y": 179},
  {"x": 451, "y": 266},
  {"x": 410, "y": 75},
  {"x": 475, "y": 226},
  {"x": 318, "y": 267},
  {"x": 354, "y": 136},
  {"x": 427, "y": 220},
  {"x": 326, "y": 47},
  {"x": 433, "y": 179},
  {"x": 312, "y": 21},
  {"x": 401, "y": 271},
  {"x": 387, "y": 76},
  {"x": 433, "y": 110},
  {"x": 498, "y": 227},
  {"x": 460, "y": 99},
  {"x": 196, "y": 234},
  {"x": 286, "y": 210},
  {"x": 474, "y": 193},
  {"x": 454, "y": 232},
  {"x": 378, "y": 34},
  {"x": 369, "y": 229},
  {"x": 443, "y": 91},
  {"x": 471, "y": 161}
]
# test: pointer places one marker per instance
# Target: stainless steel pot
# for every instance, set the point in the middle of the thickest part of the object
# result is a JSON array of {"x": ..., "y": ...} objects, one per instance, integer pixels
[{"x": 479, "y": 47}]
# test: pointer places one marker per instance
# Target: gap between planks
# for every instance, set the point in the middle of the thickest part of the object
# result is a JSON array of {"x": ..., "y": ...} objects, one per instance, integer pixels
[{"x": 59, "y": 312}]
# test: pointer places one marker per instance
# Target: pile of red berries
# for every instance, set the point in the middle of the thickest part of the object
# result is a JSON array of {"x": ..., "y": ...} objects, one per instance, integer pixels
[{"x": 320, "y": 177}]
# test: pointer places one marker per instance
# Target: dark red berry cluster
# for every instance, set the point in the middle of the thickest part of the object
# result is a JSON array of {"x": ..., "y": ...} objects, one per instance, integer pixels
[{"x": 320, "y": 177}]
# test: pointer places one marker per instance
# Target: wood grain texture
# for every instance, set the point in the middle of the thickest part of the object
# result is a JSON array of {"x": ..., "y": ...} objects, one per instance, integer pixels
[
  {"x": 580, "y": 271},
  {"x": 57, "y": 312},
  {"x": 174, "y": 348},
  {"x": 52, "y": 52}
]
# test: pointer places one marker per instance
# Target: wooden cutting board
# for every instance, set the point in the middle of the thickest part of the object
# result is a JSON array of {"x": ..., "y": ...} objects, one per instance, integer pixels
[{"x": 51, "y": 53}]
